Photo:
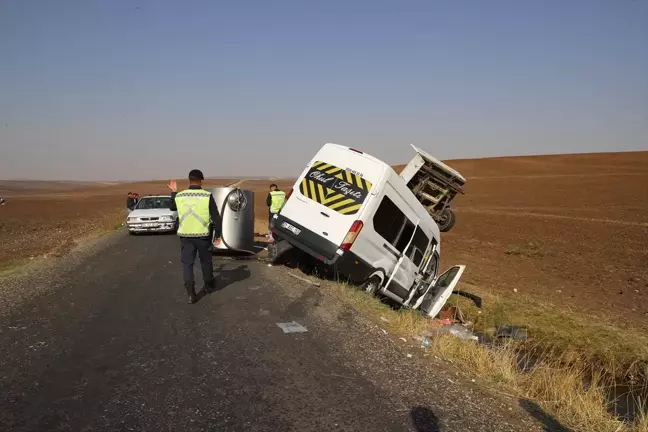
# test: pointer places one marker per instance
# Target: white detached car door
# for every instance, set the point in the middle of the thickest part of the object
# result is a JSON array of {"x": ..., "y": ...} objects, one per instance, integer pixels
[{"x": 439, "y": 292}]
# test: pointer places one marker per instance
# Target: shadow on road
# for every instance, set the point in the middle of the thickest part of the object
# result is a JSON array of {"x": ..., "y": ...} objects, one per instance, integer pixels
[
  {"x": 549, "y": 423},
  {"x": 226, "y": 277},
  {"x": 424, "y": 420}
]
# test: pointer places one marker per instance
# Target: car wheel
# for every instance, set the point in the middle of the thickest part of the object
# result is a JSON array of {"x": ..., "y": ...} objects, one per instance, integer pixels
[{"x": 372, "y": 285}]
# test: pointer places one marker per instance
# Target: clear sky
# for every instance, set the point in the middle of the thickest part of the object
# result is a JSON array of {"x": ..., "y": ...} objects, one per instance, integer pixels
[{"x": 119, "y": 90}]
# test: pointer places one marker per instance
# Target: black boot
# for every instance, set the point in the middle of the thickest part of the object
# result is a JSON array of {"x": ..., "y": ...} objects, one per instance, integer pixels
[
  {"x": 210, "y": 285},
  {"x": 190, "y": 292}
]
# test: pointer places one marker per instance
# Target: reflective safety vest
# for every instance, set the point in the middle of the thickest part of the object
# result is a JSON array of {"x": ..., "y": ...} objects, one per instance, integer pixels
[
  {"x": 278, "y": 200},
  {"x": 193, "y": 212}
]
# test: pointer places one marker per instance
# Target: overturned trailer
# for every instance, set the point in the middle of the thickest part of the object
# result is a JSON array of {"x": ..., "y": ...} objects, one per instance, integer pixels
[{"x": 435, "y": 185}]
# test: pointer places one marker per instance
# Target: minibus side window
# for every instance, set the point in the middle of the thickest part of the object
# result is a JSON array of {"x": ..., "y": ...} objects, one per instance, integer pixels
[
  {"x": 418, "y": 246},
  {"x": 405, "y": 235},
  {"x": 392, "y": 225},
  {"x": 388, "y": 220}
]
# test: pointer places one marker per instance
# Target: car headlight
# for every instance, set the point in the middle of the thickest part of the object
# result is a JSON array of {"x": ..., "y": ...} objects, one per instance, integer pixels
[
  {"x": 131, "y": 219},
  {"x": 166, "y": 218}
]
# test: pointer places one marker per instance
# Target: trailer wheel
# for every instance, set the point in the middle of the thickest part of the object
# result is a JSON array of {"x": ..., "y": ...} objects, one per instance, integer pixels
[
  {"x": 447, "y": 220},
  {"x": 372, "y": 285}
]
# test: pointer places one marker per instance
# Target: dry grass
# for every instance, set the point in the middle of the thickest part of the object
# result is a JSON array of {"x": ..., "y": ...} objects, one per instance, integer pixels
[
  {"x": 573, "y": 337},
  {"x": 556, "y": 380}
]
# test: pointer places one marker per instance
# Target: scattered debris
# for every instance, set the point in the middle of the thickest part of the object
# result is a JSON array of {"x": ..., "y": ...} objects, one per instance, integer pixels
[
  {"x": 170, "y": 262},
  {"x": 475, "y": 298},
  {"x": 254, "y": 288},
  {"x": 17, "y": 328},
  {"x": 452, "y": 313},
  {"x": 403, "y": 339},
  {"x": 384, "y": 319},
  {"x": 409, "y": 355},
  {"x": 264, "y": 312},
  {"x": 384, "y": 331},
  {"x": 514, "y": 290},
  {"x": 458, "y": 331},
  {"x": 304, "y": 279},
  {"x": 292, "y": 327},
  {"x": 269, "y": 265},
  {"x": 512, "y": 332},
  {"x": 440, "y": 323},
  {"x": 38, "y": 345}
]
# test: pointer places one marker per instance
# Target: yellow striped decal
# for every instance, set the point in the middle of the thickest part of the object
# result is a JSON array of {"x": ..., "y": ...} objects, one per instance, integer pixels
[{"x": 335, "y": 188}]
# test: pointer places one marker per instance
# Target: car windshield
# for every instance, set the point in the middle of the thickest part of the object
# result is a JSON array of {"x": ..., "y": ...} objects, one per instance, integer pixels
[{"x": 154, "y": 203}]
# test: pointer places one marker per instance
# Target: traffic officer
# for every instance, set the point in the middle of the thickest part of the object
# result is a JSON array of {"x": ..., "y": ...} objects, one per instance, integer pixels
[
  {"x": 197, "y": 217},
  {"x": 275, "y": 201}
]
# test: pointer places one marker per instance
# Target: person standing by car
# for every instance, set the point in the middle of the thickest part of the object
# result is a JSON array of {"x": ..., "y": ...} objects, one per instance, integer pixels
[
  {"x": 130, "y": 203},
  {"x": 2, "y": 201},
  {"x": 275, "y": 201},
  {"x": 197, "y": 217}
]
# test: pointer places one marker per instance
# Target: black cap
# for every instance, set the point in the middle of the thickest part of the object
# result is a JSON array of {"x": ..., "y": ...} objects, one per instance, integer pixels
[{"x": 196, "y": 174}]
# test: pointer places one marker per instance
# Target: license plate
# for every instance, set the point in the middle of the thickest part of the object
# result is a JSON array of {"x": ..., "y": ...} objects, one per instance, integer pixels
[
  {"x": 149, "y": 225},
  {"x": 290, "y": 228}
]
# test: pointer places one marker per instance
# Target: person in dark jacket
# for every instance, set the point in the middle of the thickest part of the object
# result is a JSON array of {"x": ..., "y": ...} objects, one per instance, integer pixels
[
  {"x": 198, "y": 219},
  {"x": 130, "y": 202}
]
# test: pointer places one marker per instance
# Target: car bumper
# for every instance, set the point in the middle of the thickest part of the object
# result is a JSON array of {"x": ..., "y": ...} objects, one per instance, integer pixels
[
  {"x": 311, "y": 243},
  {"x": 152, "y": 227}
]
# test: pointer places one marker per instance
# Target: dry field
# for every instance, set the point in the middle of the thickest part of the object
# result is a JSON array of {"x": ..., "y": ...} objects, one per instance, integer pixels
[{"x": 49, "y": 218}]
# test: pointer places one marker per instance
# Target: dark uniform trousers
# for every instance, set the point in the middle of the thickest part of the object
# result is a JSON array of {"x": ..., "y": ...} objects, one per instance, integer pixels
[{"x": 190, "y": 247}]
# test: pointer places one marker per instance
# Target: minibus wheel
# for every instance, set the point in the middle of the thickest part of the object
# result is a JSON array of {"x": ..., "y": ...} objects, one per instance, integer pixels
[{"x": 372, "y": 285}]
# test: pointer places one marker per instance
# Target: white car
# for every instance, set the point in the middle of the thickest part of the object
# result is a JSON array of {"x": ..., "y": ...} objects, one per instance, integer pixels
[{"x": 152, "y": 214}]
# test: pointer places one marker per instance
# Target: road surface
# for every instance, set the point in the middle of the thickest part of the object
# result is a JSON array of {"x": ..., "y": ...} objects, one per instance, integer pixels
[{"x": 106, "y": 341}]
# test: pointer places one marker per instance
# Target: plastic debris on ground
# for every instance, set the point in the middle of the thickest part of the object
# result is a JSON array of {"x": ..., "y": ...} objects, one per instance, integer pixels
[
  {"x": 459, "y": 331},
  {"x": 384, "y": 331},
  {"x": 384, "y": 319},
  {"x": 512, "y": 332},
  {"x": 292, "y": 327}
]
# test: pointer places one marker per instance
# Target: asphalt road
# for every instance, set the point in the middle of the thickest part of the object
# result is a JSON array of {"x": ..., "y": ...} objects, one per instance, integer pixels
[{"x": 109, "y": 343}]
